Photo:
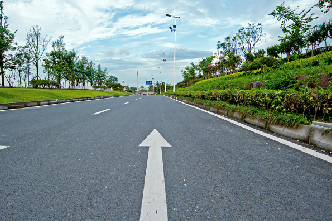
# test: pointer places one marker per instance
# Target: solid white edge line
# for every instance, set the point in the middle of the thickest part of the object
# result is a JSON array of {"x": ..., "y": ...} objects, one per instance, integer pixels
[{"x": 282, "y": 141}]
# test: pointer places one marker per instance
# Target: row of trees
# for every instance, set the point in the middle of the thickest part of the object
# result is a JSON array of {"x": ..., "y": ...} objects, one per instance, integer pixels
[
  {"x": 58, "y": 65},
  {"x": 299, "y": 35}
]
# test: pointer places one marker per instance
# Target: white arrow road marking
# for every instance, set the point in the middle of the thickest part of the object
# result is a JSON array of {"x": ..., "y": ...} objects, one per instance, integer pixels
[
  {"x": 3, "y": 147},
  {"x": 126, "y": 103},
  {"x": 154, "y": 193},
  {"x": 101, "y": 112}
]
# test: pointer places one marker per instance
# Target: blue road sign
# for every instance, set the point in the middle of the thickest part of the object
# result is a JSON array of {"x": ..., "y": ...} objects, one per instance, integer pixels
[{"x": 148, "y": 82}]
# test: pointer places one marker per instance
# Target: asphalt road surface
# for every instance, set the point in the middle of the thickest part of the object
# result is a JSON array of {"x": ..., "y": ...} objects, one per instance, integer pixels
[{"x": 82, "y": 161}]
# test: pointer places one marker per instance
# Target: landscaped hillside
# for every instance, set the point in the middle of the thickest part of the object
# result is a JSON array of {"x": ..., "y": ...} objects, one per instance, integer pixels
[
  {"x": 293, "y": 93},
  {"x": 281, "y": 78}
]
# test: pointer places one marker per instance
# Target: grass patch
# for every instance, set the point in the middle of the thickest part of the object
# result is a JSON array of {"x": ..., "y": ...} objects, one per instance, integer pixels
[{"x": 9, "y": 95}]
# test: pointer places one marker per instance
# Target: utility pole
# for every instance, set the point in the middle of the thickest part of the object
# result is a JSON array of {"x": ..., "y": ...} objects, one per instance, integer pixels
[{"x": 173, "y": 29}]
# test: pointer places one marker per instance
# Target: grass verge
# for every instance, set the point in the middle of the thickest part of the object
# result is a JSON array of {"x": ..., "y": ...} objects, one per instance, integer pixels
[{"x": 9, "y": 95}]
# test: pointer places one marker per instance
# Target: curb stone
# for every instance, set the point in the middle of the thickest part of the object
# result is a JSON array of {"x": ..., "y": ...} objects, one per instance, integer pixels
[
  {"x": 322, "y": 141},
  {"x": 3, "y": 107},
  {"x": 302, "y": 133},
  {"x": 259, "y": 123}
]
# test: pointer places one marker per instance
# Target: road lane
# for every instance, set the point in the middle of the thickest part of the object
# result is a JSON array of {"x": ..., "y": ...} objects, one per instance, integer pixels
[{"x": 65, "y": 163}]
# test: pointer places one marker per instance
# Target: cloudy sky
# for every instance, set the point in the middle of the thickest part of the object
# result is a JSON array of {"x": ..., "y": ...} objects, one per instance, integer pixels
[{"x": 127, "y": 36}]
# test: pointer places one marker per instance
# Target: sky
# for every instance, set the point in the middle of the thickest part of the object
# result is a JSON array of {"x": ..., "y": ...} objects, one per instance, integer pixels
[{"x": 130, "y": 36}]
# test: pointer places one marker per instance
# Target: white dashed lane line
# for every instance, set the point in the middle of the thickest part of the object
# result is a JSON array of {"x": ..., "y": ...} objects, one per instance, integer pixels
[
  {"x": 99, "y": 112},
  {"x": 3, "y": 147}
]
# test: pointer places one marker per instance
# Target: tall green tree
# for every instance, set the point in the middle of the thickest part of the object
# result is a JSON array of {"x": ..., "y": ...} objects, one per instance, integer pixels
[
  {"x": 112, "y": 79},
  {"x": 250, "y": 37},
  {"x": 324, "y": 5},
  {"x": 91, "y": 73},
  {"x": 6, "y": 43},
  {"x": 100, "y": 75},
  {"x": 55, "y": 61},
  {"x": 81, "y": 68},
  {"x": 37, "y": 45},
  {"x": 294, "y": 25}
]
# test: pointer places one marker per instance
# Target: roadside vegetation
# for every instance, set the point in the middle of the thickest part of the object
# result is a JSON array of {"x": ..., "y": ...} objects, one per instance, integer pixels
[
  {"x": 287, "y": 91},
  {"x": 9, "y": 95}
]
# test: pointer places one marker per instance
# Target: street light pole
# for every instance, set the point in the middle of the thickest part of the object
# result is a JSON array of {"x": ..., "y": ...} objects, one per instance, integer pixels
[
  {"x": 173, "y": 29},
  {"x": 165, "y": 72}
]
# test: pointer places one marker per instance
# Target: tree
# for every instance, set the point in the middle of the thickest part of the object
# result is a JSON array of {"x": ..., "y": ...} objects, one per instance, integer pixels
[
  {"x": 249, "y": 37},
  {"x": 6, "y": 43},
  {"x": 294, "y": 26},
  {"x": 100, "y": 75},
  {"x": 37, "y": 45},
  {"x": 324, "y": 32},
  {"x": 324, "y": 5},
  {"x": 273, "y": 51},
  {"x": 26, "y": 66},
  {"x": 18, "y": 63},
  {"x": 204, "y": 65},
  {"x": 91, "y": 72},
  {"x": 81, "y": 67},
  {"x": 112, "y": 79},
  {"x": 55, "y": 61},
  {"x": 229, "y": 46},
  {"x": 70, "y": 59}
]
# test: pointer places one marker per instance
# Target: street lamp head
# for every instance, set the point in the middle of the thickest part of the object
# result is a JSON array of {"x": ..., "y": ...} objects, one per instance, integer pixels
[{"x": 168, "y": 15}]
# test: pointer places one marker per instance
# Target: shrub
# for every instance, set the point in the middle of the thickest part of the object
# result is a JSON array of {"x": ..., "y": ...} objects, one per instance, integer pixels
[{"x": 43, "y": 83}]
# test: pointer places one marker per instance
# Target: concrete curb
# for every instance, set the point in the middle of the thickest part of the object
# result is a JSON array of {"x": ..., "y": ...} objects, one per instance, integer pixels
[
  {"x": 302, "y": 133},
  {"x": 319, "y": 140},
  {"x": 3, "y": 107},
  {"x": 257, "y": 122}
]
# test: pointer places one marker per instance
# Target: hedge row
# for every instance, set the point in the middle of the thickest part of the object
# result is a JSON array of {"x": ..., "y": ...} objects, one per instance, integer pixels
[
  {"x": 312, "y": 103},
  {"x": 44, "y": 83}
]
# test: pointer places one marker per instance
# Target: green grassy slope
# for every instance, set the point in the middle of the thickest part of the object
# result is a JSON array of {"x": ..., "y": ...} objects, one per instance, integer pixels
[{"x": 9, "y": 95}]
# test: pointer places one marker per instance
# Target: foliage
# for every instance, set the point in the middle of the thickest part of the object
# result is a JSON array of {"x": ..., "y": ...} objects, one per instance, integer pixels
[
  {"x": 294, "y": 31},
  {"x": 37, "y": 45},
  {"x": 43, "y": 83},
  {"x": 112, "y": 79},
  {"x": 6, "y": 45},
  {"x": 249, "y": 37},
  {"x": 114, "y": 86},
  {"x": 273, "y": 51},
  {"x": 261, "y": 63},
  {"x": 272, "y": 117},
  {"x": 99, "y": 86},
  {"x": 324, "y": 5},
  {"x": 272, "y": 70},
  {"x": 310, "y": 103}
]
